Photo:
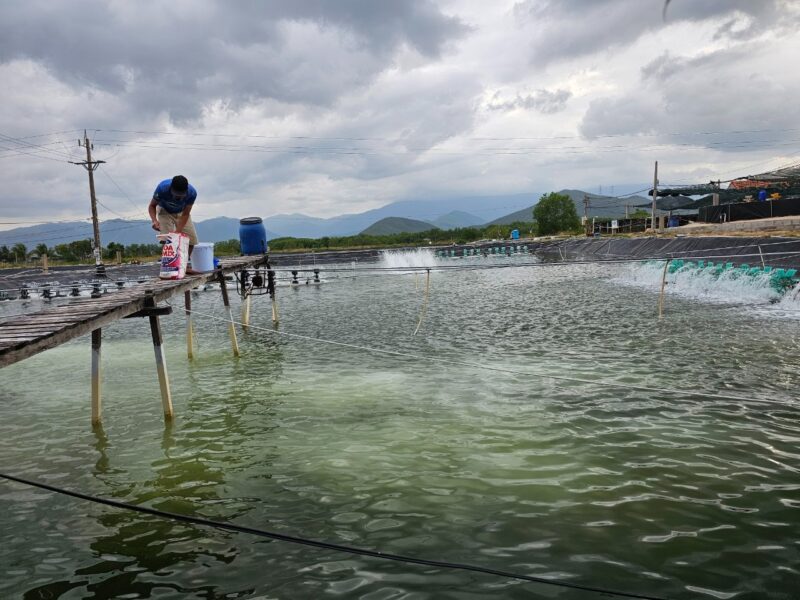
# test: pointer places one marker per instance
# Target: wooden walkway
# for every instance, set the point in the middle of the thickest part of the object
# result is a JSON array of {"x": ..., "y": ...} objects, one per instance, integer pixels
[{"x": 24, "y": 335}]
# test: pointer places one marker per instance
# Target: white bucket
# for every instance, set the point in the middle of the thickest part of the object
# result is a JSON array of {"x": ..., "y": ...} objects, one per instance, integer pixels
[{"x": 203, "y": 258}]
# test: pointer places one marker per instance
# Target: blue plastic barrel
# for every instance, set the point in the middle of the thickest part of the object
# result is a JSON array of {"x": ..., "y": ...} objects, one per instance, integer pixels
[
  {"x": 515, "y": 234},
  {"x": 252, "y": 236}
]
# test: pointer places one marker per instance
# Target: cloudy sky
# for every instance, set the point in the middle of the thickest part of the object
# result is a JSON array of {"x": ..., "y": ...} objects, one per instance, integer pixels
[{"x": 340, "y": 106}]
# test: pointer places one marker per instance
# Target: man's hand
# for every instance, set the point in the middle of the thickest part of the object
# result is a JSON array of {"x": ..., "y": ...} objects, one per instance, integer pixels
[{"x": 156, "y": 226}]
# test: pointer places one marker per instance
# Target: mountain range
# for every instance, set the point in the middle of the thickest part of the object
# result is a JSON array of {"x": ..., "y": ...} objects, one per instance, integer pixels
[{"x": 443, "y": 214}]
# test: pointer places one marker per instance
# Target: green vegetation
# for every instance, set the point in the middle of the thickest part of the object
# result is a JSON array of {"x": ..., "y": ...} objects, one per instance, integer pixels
[{"x": 555, "y": 213}]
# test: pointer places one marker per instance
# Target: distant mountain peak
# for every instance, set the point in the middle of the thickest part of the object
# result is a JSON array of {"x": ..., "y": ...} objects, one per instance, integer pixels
[{"x": 391, "y": 225}]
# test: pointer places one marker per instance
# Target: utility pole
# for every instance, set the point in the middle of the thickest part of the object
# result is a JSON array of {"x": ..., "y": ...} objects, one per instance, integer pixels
[
  {"x": 90, "y": 167},
  {"x": 586, "y": 214},
  {"x": 655, "y": 195}
]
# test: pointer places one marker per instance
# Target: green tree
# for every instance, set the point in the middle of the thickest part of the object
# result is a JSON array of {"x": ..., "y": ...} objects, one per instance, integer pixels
[
  {"x": 555, "y": 213},
  {"x": 41, "y": 249},
  {"x": 112, "y": 248},
  {"x": 19, "y": 252},
  {"x": 227, "y": 248},
  {"x": 5, "y": 254}
]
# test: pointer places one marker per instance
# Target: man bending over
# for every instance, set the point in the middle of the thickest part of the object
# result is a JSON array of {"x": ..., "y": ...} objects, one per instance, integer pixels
[{"x": 171, "y": 207}]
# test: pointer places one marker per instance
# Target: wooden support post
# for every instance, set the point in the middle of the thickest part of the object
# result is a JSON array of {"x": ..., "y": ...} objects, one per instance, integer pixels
[
  {"x": 44, "y": 263},
  {"x": 275, "y": 318},
  {"x": 661, "y": 296},
  {"x": 273, "y": 294},
  {"x": 161, "y": 363},
  {"x": 187, "y": 300},
  {"x": 227, "y": 303},
  {"x": 96, "y": 398},
  {"x": 246, "y": 312}
]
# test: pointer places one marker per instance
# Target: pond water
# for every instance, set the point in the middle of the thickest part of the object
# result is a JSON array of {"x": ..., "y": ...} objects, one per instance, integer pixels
[{"x": 664, "y": 464}]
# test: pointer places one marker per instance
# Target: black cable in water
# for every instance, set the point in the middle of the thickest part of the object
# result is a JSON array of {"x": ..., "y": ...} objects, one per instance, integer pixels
[{"x": 319, "y": 544}]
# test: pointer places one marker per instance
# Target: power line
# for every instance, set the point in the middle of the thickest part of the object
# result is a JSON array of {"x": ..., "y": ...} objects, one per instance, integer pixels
[
  {"x": 321, "y": 544},
  {"x": 124, "y": 193},
  {"x": 37, "y": 240},
  {"x": 15, "y": 149},
  {"x": 362, "y": 151},
  {"x": 31, "y": 146},
  {"x": 19, "y": 152},
  {"x": 397, "y": 139}
]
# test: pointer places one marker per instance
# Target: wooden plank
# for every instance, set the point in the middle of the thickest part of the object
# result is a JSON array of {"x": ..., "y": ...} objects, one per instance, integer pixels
[
  {"x": 32, "y": 324},
  {"x": 72, "y": 331},
  {"x": 82, "y": 315},
  {"x": 33, "y": 320},
  {"x": 7, "y": 331}
]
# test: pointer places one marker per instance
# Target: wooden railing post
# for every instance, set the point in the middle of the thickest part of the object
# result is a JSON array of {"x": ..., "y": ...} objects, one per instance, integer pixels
[
  {"x": 227, "y": 303},
  {"x": 161, "y": 363},
  {"x": 187, "y": 300},
  {"x": 96, "y": 398}
]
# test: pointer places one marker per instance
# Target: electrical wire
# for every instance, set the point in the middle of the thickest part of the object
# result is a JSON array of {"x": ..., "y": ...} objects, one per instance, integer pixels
[
  {"x": 321, "y": 544},
  {"x": 32, "y": 147},
  {"x": 124, "y": 193},
  {"x": 19, "y": 152},
  {"x": 360, "y": 151},
  {"x": 64, "y": 237},
  {"x": 387, "y": 139},
  {"x": 15, "y": 148}
]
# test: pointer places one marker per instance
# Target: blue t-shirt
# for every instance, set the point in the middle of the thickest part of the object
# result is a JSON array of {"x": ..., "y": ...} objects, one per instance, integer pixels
[{"x": 168, "y": 202}]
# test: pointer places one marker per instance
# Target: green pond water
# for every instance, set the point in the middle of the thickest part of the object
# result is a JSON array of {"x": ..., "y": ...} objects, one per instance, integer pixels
[{"x": 651, "y": 492}]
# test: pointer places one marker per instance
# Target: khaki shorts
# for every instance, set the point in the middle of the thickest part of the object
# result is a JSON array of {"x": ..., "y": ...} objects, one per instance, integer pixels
[{"x": 168, "y": 222}]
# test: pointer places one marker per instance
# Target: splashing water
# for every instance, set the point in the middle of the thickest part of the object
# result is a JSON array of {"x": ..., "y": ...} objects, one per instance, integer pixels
[
  {"x": 398, "y": 259},
  {"x": 728, "y": 287}
]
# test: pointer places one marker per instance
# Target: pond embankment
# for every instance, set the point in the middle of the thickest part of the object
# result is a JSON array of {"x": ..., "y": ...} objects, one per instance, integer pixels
[{"x": 772, "y": 251}]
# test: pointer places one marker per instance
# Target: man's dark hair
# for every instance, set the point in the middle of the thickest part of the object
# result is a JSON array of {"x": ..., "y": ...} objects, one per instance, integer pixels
[{"x": 179, "y": 184}]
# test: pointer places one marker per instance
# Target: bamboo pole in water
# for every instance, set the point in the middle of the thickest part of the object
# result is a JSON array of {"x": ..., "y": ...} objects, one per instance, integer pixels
[
  {"x": 187, "y": 302},
  {"x": 275, "y": 318},
  {"x": 246, "y": 312},
  {"x": 161, "y": 361},
  {"x": 663, "y": 286},
  {"x": 227, "y": 303},
  {"x": 272, "y": 295},
  {"x": 96, "y": 398}
]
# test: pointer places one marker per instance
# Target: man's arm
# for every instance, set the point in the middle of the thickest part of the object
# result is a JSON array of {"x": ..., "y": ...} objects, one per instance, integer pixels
[
  {"x": 184, "y": 217},
  {"x": 151, "y": 210}
]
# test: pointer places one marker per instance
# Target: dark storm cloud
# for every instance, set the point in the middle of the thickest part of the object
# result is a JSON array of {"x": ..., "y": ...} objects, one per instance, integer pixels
[
  {"x": 572, "y": 28},
  {"x": 173, "y": 59},
  {"x": 544, "y": 101}
]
